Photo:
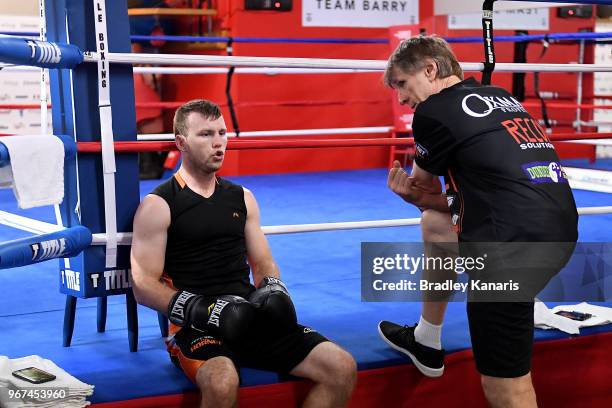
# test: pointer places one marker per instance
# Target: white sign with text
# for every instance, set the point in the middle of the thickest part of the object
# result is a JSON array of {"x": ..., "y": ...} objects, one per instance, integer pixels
[
  {"x": 359, "y": 13},
  {"x": 522, "y": 19}
]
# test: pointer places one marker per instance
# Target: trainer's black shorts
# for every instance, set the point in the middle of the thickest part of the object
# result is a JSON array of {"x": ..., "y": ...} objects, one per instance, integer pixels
[
  {"x": 502, "y": 337},
  {"x": 190, "y": 348},
  {"x": 501, "y": 321}
]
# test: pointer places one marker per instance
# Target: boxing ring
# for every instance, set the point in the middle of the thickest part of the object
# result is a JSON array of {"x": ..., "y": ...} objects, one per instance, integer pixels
[
  {"x": 320, "y": 267},
  {"x": 322, "y": 273}
]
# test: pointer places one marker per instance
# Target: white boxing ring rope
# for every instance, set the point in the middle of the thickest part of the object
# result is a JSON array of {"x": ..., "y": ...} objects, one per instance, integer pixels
[
  {"x": 261, "y": 70},
  {"x": 98, "y": 239},
  {"x": 125, "y": 238},
  {"x": 303, "y": 69},
  {"x": 206, "y": 70},
  {"x": 287, "y": 132},
  {"x": 271, "y": 62}
]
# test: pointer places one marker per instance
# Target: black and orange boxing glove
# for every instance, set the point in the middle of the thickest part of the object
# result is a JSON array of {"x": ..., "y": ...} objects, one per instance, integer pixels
[
  {"x": 228, "y": 317},
  {"x": 274, "y": 306}
]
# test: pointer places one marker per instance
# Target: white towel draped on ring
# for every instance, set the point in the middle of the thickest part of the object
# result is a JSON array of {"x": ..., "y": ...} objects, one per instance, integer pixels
[{"x": 36, "y": 172}]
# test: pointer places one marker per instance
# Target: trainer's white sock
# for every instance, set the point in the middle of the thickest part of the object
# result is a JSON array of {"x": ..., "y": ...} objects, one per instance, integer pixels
[{"x": 428, "y": 334}]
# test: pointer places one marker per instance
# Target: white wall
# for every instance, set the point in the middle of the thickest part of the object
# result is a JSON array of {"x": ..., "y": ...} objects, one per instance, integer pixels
[
  {"x": 20, "y": 86},
  {"x": 19, "y": 7}
]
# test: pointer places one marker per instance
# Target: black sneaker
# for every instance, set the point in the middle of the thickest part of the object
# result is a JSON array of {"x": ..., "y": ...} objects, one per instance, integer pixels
[{"x": 429, "y": 361}]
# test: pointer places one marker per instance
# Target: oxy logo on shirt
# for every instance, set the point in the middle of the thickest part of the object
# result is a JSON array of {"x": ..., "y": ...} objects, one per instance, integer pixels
[{"x": 479, "y": 106}]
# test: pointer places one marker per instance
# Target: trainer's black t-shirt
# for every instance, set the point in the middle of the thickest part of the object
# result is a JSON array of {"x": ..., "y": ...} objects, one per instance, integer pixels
[
  {"x": 504, "y": 180},
  {"x": 206, "y": 247}
]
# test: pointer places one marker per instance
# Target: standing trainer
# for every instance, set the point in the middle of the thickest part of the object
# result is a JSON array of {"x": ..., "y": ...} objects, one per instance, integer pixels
[
  {"x": 505, "y": 188},
  {"x": 192, "y": 238}
]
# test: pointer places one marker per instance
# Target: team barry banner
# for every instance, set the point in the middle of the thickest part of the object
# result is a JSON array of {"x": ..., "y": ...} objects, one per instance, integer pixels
[
  {"x": 359, "y": 13},
  {"x": 486, "y": 272}
]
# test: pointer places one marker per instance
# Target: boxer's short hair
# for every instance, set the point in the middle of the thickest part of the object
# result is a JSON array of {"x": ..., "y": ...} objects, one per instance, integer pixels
[
  {"x": 208, "y": 109},
  {"x": 411, "y": 55}
]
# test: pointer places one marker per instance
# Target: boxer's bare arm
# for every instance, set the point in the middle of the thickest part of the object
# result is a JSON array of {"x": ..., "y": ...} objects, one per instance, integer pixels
[
  {"x": 260, "y": 256},
  {"x": 151, "y": 224}
]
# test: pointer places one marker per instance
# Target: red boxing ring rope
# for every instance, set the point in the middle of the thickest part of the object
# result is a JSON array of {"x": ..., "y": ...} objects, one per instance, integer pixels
[
  {"x": 558, "y": 137},
  {"x": 241, "y": 144},
  {"x": 176, "y": 104},
  {"x": 561, "y": 105}
]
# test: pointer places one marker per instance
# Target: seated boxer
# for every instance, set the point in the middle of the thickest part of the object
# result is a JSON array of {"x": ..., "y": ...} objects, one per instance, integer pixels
[{"x": 192, "y": 238}]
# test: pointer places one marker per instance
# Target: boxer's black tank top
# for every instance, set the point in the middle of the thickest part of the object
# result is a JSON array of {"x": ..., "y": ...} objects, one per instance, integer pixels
[{"x": 206, "y": 248}]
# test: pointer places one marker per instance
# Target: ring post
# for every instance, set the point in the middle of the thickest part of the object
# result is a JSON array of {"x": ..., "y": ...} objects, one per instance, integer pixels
[{"x": 74, "y": 95}]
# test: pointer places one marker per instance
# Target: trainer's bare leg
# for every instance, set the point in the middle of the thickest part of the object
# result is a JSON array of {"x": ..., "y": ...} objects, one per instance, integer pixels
[
  {"x": 509, "y": 392},
  {"x": 436, "y": 227}
]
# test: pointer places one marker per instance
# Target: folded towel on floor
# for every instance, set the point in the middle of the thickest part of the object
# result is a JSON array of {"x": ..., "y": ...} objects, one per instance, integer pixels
[
  {"x": 545, "y": 318},
  {"x": 74, "y": 390}
]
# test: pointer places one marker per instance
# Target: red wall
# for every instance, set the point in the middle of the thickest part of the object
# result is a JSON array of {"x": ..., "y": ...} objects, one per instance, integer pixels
[{"x": 300, "y": 101}]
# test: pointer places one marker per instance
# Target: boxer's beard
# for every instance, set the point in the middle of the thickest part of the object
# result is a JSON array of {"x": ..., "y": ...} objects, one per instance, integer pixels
[{"x": 206, "y": 166}]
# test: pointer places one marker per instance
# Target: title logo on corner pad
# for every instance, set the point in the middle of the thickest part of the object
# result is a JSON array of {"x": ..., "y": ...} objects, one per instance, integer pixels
[
  {"x": 545, "y": 172},
  {"x": 479, "y": 106},
  {"x": 53, "y": 248},
  {"x": 114, "y": 279}
]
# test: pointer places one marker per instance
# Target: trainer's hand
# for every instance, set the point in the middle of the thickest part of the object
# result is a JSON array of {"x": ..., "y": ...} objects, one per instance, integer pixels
[{"x": 402, "y": 184}]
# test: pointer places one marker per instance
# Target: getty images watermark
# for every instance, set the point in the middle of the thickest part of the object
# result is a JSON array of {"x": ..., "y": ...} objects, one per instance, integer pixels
[
  {"x": 410, "y": 265},
  {"x": 486, "y": 271}
]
